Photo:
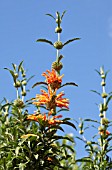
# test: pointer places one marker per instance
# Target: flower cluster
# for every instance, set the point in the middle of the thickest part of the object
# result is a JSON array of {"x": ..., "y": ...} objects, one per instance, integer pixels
[{"x": 50, "y": 100}]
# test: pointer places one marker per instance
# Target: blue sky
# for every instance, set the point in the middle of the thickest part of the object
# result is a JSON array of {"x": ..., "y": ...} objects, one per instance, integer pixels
[{"x": 23, "y": 22}]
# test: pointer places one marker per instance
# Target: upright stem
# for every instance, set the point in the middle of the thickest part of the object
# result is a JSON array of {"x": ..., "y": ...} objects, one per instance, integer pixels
[
  {"x": 17, "y": 93},
  {"x": 104, "y": 101},
  {"x": 57, "y": 49}
]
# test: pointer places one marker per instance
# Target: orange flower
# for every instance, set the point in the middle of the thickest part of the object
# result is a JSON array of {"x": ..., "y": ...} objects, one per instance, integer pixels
[
  {"x": 36, "y": 117},
  {"x": 45, "y": 119},
  {"x": 53, "y": 79},
  {"x": 51, "y": 100}
]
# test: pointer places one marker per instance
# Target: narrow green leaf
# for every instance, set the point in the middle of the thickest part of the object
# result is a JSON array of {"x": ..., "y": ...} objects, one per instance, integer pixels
[
  {"x": 108, "y": 100},
  {"x": 80, "y": 139},
  {"x": 44, "y": 40},
  {"x": 12, "y": 73},
  {"x": 69, "y": 41},
  {"x": 51, "y": 16},
  {"x": 20, "y": 65},
  {"x": 39, "y": 83},
  {"x": 97, "y": 72},
  {"x": 69, "y": 123},
  {"x": 95, "y": 92},
  {"x": 70, "y": 84},
  {"x": 68, "y": 147},
  {"x": 14, "y": 66},
  {"x": 62, "y": 110},
  {"x": 63, "y": 14},
  {"x": 90, "y": 120},
  {"x": 85, "y": 159},
  {"x": 30, "y": 78}
]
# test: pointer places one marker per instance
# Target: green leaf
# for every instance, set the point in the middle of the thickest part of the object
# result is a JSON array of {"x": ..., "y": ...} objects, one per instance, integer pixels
[
  {"x": 90, "y": 120},
  {"x": 62, "y": 110},
  {"x": 14, "y": 66},
  {"x": 85, "y": 159},
  {"x": 63, "y": 14},
  {"x": 95, "y": 92},
  {"x": 55, "y": 127},
  {"x": 69, "y": 41},
  {"x": 80, "y": 139},
  {"x": 30, "y": 78},
  {"x": 12, "y": 73},
  {"x": 68, "y": 147},
  {"x": 51, "y": 16},
  {"x": 20, "y": 65},
  {"x": 39, "y": 83},
  {"x": 44, "y": 40},
  {"x": 97, "y": 72},
  {"x": 70, "y": 84},
  {"x": 108, "y": 100},
  {"x": 69, "y": 123}
]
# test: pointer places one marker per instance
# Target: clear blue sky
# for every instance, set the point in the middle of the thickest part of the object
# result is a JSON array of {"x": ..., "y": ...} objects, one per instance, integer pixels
[{"x": 22, "y": 22}]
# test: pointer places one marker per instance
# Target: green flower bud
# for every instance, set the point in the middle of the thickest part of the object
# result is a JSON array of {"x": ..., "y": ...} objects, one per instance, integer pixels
[
  {"x": 105, "y": 121},
  {"x": 105, "y": 107},
  {"x": 101, "y": 128},
  {"x": 57, "y": 21},
  {"x": 58, "y": 45},
  {"x": 104, "y": 95},
  {"x": 23, "y": 75},
  {"x": 16, "y": 75},
  {"x": 58, "y": 30},
  {"x": 23, "y": 93},
  {"x": 88, "y": 142},
  {"x": 101, "y": 115},
  {"x": 81, "y": 132},
  {"x": 103, "y": 83},
  {"x": 18, "y": 103},
  {"x": 103, "y": 76},
  {"x": 17, "y": 84},
  {"x": 57, "y": 66},
  {"x": 24, "y": 82},
  {"x": 80, "y": 125}
]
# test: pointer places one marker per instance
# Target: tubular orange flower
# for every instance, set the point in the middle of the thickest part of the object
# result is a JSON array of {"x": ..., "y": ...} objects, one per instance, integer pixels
[
  {"x": 45, "y": 119},
  {"x": 51, "y": 100},
  {"x": 36, "y": 117},
  {"x": 53, "y": 79}
]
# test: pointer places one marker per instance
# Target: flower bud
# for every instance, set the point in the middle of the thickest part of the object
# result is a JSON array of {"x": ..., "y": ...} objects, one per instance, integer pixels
[
  {"x": 23, "y": 75},
  {"x": 81, "y": 132},
  {"x": 23, "y": 93},
  {"x": 18, "y": 103},
  {"x": 104, "y": 95},
  {"x": 17, "y": 84},
  {"x": 103, "y": 83},
  {"x": 105, "y": 107},
  {"x": 105, "y": 121},
  {"x": 57, "y": 66},
  {"x": 58, "y": 30},
  {"x": 101, "y": 115},
  {"x": 24, "y": 83},
  {"x": 58, "y": 45},
  {"x": 103, "y": 76},
  {"x": 16, "y": 75},
  {"x": 88, "y": 142},
  {"x": 57, "y": 21}
]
